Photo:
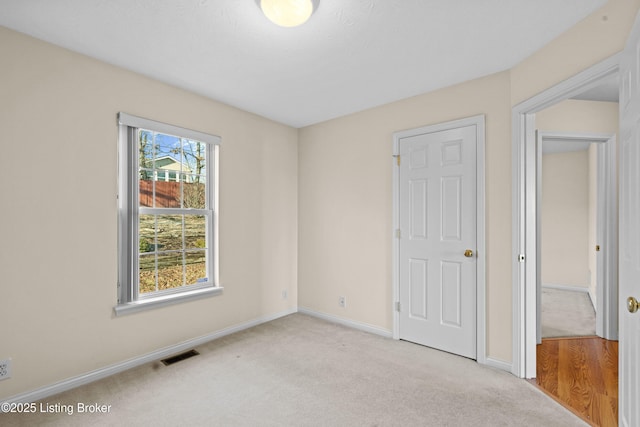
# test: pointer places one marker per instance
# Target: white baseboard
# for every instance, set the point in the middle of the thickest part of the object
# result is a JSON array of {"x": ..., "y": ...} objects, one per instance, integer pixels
[
  {"x": 592, "y": 297},
  {"x": 565, "y": 287},
  {"x": 347, "y": 322},
  {"x": 498, "y": 364},
  {"x": 98, "y": 374},
  {"x": 488, "y": 361}
]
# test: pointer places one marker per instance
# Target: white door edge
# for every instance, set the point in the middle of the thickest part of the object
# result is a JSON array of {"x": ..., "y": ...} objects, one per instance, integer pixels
[
  {"x": 523, "y": 208},
  {"x": 479, "y": 122}
]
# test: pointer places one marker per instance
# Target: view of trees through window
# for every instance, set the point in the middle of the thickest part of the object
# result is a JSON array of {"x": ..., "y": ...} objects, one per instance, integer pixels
[{"x": 172, "y": 227}]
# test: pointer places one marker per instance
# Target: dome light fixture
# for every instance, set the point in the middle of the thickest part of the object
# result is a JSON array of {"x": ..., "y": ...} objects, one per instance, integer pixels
[{"x": 288, "y": 13}]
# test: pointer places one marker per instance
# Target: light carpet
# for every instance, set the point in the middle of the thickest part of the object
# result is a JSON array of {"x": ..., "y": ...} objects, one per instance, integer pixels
[
  {"x": 567, "y": 314},
  {"x": 303, "y": 371}
]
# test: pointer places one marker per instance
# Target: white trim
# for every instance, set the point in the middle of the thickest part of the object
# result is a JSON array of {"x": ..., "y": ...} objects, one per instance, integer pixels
[
  {"x": 518, "y": 249},
  {"x": 366, "y": 327},
  {"x": 607, "y": 220},
  {"x": 572, "y": 86},
  {"x": 129, "y": 299},
  {"x": 539, "y": 147},
  {"x": 173, "y": 211},
  {"x": 593, "y": 300},
  {"x": 479, "y": 122},
  {"x": 524, "y": 207},
  {"x": 481, "y": 266},
  {"x": 498, "y": 364},
  {"x": 165, "y": 300},
  {"x": 101, "y": 373},
  {"x": 165, "y": 128}
]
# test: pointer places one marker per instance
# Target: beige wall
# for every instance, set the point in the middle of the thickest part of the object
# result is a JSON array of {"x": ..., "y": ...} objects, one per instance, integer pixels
[
  {"x": 596, "y": 38},
  {"x": 576, "y": 116},
  {"x": 58, "y": 229},
  {"x": 565, "y": 218},
  {"x": 345, "y": 204}
]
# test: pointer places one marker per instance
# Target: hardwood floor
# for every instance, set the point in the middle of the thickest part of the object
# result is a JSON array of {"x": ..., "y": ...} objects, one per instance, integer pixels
[{"x": 581, "y": 374}]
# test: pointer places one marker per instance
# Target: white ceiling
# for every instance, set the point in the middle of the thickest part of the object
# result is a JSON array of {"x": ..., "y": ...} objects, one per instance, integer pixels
[
  {"x": 607, "y": 91},
  {"x": 350, "y": 56}
]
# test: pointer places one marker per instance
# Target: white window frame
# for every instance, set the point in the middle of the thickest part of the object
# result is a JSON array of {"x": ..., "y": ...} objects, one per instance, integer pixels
[{"x": 129, "y": 299}]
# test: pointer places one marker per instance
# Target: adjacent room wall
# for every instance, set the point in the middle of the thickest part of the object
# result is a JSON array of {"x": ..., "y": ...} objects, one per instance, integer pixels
[
  {"x": 565, "y": 219},
  {"x": 577, "y": 116},
  {"x": 58, "y": 255}
]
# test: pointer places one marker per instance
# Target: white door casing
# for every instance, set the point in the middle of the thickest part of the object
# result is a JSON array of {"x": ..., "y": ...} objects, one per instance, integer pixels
[
  {"x": 629, "y": 259},
  {"x": 437, "y": 221}
]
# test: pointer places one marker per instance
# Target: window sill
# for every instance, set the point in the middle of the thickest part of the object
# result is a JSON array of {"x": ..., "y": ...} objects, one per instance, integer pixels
[{"x": 165, "y": 300}]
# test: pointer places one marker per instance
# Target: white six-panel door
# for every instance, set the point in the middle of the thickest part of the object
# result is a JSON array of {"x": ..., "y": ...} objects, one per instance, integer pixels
[
  {"x": 437, "y": 217},
  {"x": 629, "y": 240}
]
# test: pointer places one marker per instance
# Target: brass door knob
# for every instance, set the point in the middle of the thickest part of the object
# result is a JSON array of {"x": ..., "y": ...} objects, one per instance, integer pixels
[
  {"x": 632, "y": 305},
  {"x": 468, "y": 253}
]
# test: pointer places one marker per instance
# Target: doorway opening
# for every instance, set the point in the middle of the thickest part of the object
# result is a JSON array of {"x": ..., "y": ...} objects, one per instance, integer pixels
[
  {"x": 525, "y": 218},
  {"x": 576, "y": 211}
]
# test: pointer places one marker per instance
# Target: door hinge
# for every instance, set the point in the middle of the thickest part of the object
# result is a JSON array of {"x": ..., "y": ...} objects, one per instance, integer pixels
[
  {"x": 398, "y": 306},
  {"x": 398, "y": 234},
  {"x": 397, "y": 156},
  {"x": 520, "y": 257}
]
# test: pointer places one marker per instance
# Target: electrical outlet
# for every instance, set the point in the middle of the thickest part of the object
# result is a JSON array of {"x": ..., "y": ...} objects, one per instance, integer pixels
[
  {"x": 5, "y": 369},
  {"x": 284, "y": 294},
  {"x": 342, "y": 302}
]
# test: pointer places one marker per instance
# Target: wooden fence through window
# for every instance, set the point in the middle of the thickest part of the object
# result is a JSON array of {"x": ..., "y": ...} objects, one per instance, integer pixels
[{"x": 167, "y": 194}]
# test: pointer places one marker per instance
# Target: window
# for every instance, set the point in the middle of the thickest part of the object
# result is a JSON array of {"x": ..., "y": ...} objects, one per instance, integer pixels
[{"x": 167, "y": 214}]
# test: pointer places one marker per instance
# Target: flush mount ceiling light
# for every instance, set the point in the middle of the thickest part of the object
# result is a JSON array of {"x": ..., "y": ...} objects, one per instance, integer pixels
[{"x": 288, "y": 13}]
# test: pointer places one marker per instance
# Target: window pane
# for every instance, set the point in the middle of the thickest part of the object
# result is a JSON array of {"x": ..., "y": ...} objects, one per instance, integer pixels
[
  {"x": 145, "y": 167},
  {"x": 195, "y": 234},
  {"x": 194, "y": 164},
  {"x": 167, "y": 194},
  {"x": 145, "y": 149},
  {"x": 147, "y": 230},
  {"x": 169, "y": 236},
  {"x": 167, "y": 161},
  {"x": 196, "y": 267},
  {"x": 166, "y": 169},
  {"x": 170, "y": 270},
  {"x": 194, "y": 156},
  {"x": 146, "y": 188},
  {"x": 169, "y": 232},
  {"x": 147, "y": 278},
  {"x": 166, "y": 153},
  {"x": 193, "y": 195}
]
